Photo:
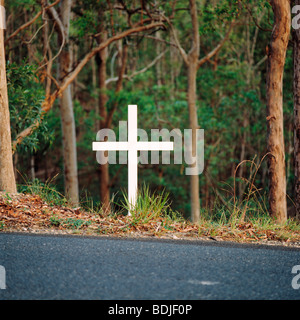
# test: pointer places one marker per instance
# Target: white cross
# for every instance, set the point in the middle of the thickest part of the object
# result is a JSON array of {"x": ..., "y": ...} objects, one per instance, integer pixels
[{"x": 132, "y": 146}]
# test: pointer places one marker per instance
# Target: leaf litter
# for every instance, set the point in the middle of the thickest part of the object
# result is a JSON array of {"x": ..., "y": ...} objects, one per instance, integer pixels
[{"x": 30, "y": 213}]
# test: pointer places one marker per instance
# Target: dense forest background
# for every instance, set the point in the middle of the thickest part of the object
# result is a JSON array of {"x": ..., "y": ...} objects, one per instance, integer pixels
[{"x": 146, "y": 68}]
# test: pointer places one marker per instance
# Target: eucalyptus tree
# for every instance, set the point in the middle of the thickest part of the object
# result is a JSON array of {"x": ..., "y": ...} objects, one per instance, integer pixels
[
  {"x": 66, "y": 102},
  {"x": 193, "y": 62},
  {"x": 7, "y": 177},
  {"x": 276, "y": 52},
  {"x": 60, "y": 88},
  {"x": 296, "y": 89}
]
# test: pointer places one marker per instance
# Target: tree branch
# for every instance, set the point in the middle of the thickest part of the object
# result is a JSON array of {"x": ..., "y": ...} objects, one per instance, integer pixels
[
  {"x": 179, "y": 47},
  {"x": 195, "y": 30},
  {"x": 118, "y": 85},
  {"x": 50, "y": 99},
  {"x": 53, "y": 13},
  {"x": 69, "y": 79},
  {"x": 254, "y": 20},
  {"x": 129, "y": 77},
  {"x": 217, "y": 48},
  {"x": 29, "y": 23},
  {"x": 159, "y": 40}
]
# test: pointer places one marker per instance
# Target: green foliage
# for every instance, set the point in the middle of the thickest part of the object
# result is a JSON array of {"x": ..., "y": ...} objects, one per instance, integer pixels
[
  {"x": 55, "y": 221},
  {"x": 84, "y": 24},
  {"x": 149, "y": 205},
  {"x": 226, "y": 219},
  {"x": 215, "y": 16},
  {"x": 26, "y": 95},
  {"x": 231, "y": 99},
  {"x": 20, "y": 3},
  {"x": 69, "y": 223},
  {"x": 47, "y": 191}
]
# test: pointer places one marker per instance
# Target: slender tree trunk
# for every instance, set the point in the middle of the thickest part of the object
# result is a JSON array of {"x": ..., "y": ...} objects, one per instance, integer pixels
[
  {"x": 103, "y": 169},
  {"x": 192, "y": 59},
  {"x": 275, "y": 139},
  {"x": 32, "y": 169},
  {"x": 193, "y": 124},
  {"x": 67, "y": 114},
  {"x": 241, "y": 184},
  {"x": 106, "y": 118},
  {"x": 69, "y": 147},
  {"x": 172, "y": 73},
  {"x": 158, "y": 64},
  {"x": 193, "y": 63},
  {"x": 296, "y": 46},
  {"x": 7, "y": 176}
]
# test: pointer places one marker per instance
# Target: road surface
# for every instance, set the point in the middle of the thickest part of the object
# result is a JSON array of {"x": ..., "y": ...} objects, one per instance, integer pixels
[{"x": 75, "y": 267}]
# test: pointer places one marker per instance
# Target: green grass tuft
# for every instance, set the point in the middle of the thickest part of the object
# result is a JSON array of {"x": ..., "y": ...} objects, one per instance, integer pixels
[
  {"x": 45, "y": 191},
  {"x": 149, "y": 206}
]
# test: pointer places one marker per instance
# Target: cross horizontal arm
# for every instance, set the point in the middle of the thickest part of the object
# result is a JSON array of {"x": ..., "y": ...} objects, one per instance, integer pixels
[
  {"x": 110, "y": 146},
  {"x": 125, "y": 146},
  {"x": 157, "y": 146}
]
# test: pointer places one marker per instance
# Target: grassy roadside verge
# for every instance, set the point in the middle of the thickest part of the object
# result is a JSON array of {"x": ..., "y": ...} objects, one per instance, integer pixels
[{"x": 41, "y": 209}]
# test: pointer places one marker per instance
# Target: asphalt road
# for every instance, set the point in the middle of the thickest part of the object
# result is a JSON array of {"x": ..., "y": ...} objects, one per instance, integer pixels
[{"x": 74, "y": 267}]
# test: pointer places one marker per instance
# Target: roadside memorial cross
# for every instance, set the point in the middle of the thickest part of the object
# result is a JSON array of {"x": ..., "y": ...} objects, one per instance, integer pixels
[{"x": 133, "y": 146}]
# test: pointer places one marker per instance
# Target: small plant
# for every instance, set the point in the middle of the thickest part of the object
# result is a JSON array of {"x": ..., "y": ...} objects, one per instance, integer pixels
[
  {"x": 69, "y": 223},
  {"x": 149, "y": 206},
  {"x": 55, "y": 221},
  {"x": 87, "y": 203},
  {"x": 7, "y": 196},
  {"x": 46, "y": 191},
  {"x": 75, "y": 223},
  {"x": 2, "y": 225}
]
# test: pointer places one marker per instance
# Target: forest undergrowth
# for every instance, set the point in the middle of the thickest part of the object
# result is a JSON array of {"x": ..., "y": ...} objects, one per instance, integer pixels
[{"x": 40, "y": 208}]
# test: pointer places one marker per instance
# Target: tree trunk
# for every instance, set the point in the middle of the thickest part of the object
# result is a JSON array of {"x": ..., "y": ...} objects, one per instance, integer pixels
[
  {"x": 275, "y": 139},
  {"x": 67, "y": 114},
  {"x": 7, "y": 176},
  {"x": 103, "y": 169},
  {"x": 158, "y": 64},
  {"x": 193, "y": 124},
  {"x": 296, "y": 46},
  {"x": 69, "y": 147},
  {"x": 192, "y": 58}
]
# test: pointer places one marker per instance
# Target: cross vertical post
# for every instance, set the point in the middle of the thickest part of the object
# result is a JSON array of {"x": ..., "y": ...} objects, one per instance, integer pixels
[
  {"x": 132, "y": 146},
  {"x": 132, "y": 156}
]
